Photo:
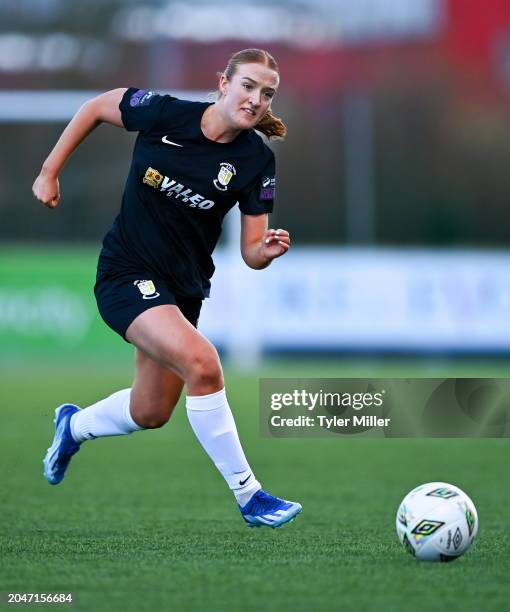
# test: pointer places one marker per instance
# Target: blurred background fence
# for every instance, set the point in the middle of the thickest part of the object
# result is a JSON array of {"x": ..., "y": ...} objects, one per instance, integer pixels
[{"x": 393, "y": 180}]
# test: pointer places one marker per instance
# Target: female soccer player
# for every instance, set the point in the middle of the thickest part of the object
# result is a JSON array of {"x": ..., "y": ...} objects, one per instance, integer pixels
[{"x": 192, "y": 162}]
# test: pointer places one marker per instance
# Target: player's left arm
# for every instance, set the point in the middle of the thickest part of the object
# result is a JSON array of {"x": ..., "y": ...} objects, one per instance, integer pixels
[{"x": 260, "y": 245}]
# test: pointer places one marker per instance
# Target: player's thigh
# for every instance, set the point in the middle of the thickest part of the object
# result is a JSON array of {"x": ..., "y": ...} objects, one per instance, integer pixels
[
  {"x": 156, "y": 389},
  {"x": 167, "y": 337}
]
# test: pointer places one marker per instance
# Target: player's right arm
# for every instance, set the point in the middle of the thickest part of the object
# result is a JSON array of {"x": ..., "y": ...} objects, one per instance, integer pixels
[{"x": 102, "y": 109}]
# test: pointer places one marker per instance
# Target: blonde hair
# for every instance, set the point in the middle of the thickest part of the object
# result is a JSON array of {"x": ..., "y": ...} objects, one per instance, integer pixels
[{"x": 273, "y": 127}]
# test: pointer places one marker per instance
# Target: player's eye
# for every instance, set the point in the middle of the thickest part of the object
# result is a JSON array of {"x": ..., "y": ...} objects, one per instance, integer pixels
[
  {"x": 269, "y": 94},
  {"x": 247, "y": 86}
]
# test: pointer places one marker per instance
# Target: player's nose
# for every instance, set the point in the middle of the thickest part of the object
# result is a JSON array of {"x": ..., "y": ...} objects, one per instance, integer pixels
[{"x": 255, "y": 98}]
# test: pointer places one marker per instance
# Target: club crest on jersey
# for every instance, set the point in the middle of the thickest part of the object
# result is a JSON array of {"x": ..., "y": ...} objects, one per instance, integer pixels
[
  {"x": 152, "y": 177},
  {"x": 147, "y": 289},
  {"x": 227, "y": 171}
]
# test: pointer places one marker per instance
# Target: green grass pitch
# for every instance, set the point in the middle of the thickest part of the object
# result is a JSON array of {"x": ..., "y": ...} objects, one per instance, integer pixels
[{"x": 145, "y": 522}]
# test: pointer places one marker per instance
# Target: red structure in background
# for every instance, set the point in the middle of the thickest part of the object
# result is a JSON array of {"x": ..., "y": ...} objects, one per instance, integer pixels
[
  {"x": 473, "y": 31},
  {"x": 471, "y": 46},
  {"x": 477, "y": 46}
]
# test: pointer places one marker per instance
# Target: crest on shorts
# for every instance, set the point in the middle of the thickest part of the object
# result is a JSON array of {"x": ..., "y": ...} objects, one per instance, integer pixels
[
  {"x": 227, "y": 171},
  {"x": 147, "y": 289},
  {"x": 152, "y": 177}
]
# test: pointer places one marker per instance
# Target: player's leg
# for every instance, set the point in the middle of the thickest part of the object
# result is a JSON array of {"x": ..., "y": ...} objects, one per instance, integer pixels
[
  {"x": 169, "y": 339},
  {"x": 174, "y": 343},
  {"x": 165, "y": 336},
  {"x": 155, "y": 392},
  {"x": 120, "y": 301},
  {"x": 149, "y": 404}
]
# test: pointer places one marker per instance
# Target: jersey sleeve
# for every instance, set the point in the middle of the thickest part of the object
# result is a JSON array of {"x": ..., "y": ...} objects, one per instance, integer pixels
[
  {"x": 142, "y": 110},
  {"x": 259, "y": 197}
]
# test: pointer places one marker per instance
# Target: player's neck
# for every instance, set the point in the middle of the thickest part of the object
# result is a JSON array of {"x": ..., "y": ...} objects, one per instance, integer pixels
[{"x": 214, "y": 126}]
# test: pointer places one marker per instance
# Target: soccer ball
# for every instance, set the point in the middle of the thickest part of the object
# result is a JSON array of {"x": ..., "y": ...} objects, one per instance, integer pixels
[{"x": 437, "y": 522}]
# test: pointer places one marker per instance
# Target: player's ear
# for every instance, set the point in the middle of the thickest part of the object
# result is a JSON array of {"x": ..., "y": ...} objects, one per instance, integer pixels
[{"x": 223, "y": 84}]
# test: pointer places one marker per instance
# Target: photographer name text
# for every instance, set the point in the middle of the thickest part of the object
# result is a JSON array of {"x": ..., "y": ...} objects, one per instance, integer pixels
[{"x": 329, "y": 422}]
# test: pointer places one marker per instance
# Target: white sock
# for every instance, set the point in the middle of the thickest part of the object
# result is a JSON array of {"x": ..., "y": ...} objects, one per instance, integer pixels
[
  {"x": 214, "y": 426},
  {"x": 108, "y": 417}
]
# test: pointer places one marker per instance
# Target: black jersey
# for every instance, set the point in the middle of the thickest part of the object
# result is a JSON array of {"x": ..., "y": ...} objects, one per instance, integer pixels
[{"x": 180, "y": 186}]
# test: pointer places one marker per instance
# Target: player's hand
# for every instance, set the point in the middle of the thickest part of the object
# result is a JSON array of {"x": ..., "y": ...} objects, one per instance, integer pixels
[
  {"x": 46, "y": 189},
  {"x": 275, "y": 243}
]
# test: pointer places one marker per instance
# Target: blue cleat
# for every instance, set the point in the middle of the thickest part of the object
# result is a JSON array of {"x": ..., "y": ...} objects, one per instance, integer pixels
[
  {"x": 63, "y": 447},
  {"x": 265, "y": 509}
]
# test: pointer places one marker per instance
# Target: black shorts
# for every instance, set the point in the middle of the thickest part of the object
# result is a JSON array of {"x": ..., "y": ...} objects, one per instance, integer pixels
[{"x": 121, "y": 299}]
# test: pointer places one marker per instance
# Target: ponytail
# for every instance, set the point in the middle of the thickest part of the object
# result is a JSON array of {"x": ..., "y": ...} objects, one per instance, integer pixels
[{"x": 272, "y": 127}]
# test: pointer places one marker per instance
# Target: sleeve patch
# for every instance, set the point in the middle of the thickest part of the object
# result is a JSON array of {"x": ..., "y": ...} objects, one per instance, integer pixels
[
  {"x": 141, "y": 97},
  {"x": 267, "y": 189}
]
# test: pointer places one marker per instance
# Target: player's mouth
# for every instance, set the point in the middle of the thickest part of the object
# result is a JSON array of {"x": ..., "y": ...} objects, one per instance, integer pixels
[{"x": 249, "y": 112}]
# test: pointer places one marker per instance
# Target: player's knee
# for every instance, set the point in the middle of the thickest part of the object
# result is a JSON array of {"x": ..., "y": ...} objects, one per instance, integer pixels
[
  {"x": 152, "y": 416},
  {"x": 205, "y": 375},
  {"x": 154, "y": 422}
]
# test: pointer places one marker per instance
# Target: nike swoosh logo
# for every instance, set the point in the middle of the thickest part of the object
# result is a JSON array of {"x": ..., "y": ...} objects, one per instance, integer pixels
[
  {"x": 166, "y": 141},
  {"x": 266, "y": 182},
  {"x": 242, "y": 482}
]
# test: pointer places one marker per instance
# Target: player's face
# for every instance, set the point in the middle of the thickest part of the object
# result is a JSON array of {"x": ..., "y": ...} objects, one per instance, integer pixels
[{"x": 248, "y": 94}]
